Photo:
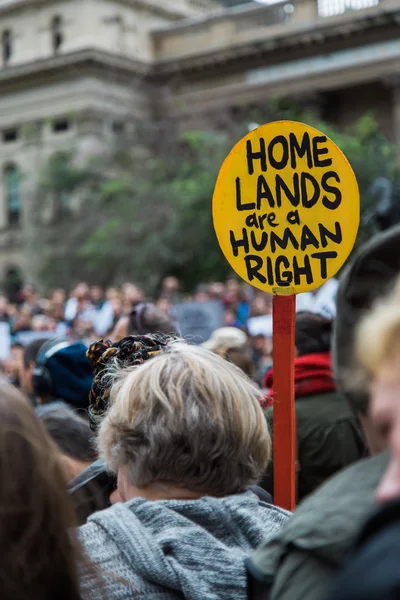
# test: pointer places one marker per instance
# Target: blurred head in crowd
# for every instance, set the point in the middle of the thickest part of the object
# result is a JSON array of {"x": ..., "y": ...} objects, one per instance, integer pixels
[
  {"x": 13, "y": 367},
  {"x": 230, "y": 318},
  {"x": 3, "y": 307},
  {"x": 71, "y": 434},
  {"x": 184, "y": 397},
  {"x": 41, "y": 554},
  {"x": 82, "y": 291},
  {"x": 261, "y": 305},
  {"x": 23, "y": 319},
  {"x": 117, "y": 307},
  {"x": 378, "y": 346},
  {"x": 232, "y": 285},
  {"x": 261, "y": 346},
  {"x": 112, "y": 292},
  {"x": 96, "y": 294},
  {"x": 43, "y": 323},
  {"x": 58, "y": 296},
  {"x": 232, "y": 344},
  {"x": 132, "y": 293},
  {"x": 58, "y": 370},
  {"x": 170, "y": 286},
  {"x": 29, "y": 363},
  {"x": 201, "y": 294},
  {"x": 30, "y": 294},
  {"x": 216, "y": 290},
  {"x": 313, "y": 334},
  {"x": 144, "y": 318}
]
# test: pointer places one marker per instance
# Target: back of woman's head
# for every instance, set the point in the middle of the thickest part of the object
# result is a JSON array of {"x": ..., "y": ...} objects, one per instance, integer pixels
[
  {"x": 38, "y": 554},
  {"x": 143, "y": 319},
  {"x": 313, "y": 333},
  {"x": 187, "y": 417}
]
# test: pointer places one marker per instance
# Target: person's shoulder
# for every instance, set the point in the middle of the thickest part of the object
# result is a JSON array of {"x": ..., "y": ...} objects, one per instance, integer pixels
[
  {"x": 362, "y": 476},
  {"x": 328, "y": 521},
  {"x": 93, "y": 537},
  {"x": 275, "y": 513},
  {"x": 325, "y": 402},
  {"x": 372, "y": 571}
]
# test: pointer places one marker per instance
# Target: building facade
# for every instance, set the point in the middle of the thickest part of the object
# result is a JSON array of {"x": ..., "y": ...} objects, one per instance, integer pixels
[{"x": 73, "y": 73}]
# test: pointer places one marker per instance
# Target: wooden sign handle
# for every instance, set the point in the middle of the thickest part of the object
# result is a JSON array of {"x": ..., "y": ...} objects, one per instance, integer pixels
[{"x": 284, "y": 313}]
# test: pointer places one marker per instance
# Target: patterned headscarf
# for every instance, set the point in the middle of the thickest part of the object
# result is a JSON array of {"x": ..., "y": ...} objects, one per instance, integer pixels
[{"x": 128, "y": 352}]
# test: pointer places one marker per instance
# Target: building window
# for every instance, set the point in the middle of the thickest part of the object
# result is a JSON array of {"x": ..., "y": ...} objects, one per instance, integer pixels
[
  {"x": 328, "y": 8},
  {"x": 13, "y": 283},
  {"x": 6, "y": 46},
  {"x": 57, "y": 33},
  {"x": 118, "y": 127},
  {"x": 60, "y": 125},
  {"x": 10, "y": 135},
  {"x": 12, "y": 193},
  {"x": 61, "y": 167}
]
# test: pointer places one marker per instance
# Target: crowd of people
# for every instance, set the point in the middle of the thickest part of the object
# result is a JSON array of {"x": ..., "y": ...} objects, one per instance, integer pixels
[
  {"x": 90, "y": 312},
  {"x": 134, "y": 464}
]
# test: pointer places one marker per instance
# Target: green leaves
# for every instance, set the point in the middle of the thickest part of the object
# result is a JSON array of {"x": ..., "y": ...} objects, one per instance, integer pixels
[{"x": 144, "y": 209}]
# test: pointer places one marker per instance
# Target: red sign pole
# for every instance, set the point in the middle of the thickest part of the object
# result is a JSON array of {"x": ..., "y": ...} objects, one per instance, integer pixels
[{"x": 284, "y": 311}]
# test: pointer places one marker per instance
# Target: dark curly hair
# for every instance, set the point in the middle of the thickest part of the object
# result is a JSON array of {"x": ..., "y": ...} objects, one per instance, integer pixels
[{"x": 129, "y": 352}]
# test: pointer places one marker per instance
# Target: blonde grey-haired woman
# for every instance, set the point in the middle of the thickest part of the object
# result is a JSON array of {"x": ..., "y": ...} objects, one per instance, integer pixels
[{"x": 187, "y": 437}]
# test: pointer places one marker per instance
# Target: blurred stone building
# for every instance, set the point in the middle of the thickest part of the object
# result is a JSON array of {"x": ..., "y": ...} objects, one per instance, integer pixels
[{"x": 75, "y": 73}]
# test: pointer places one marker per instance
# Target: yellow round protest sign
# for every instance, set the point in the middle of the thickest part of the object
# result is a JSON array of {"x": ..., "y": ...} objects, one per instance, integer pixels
[{"x": 286, "y": 208}]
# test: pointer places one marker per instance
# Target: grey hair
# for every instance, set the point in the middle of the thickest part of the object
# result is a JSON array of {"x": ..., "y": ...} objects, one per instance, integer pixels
[{"x": 190, "y": 418}]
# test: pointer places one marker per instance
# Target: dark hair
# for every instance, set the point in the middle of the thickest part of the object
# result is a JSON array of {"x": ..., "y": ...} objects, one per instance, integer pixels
[
  {"x": 147, "y": 318},
  {"x": 41, "y": 552},
  {"x": 32, "y": 351},
  {"x": 131, "y": 351},
  {"x": 68, "y": 430},
  {"x": 313, "y": 333}
]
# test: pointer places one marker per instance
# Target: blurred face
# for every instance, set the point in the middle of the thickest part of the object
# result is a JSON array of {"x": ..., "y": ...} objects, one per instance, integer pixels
[
  {"x": 385, "y": 415},
  {"x": 58, "y": 297},
  {"x": 216, "y": 290},
  {"x": 229, "y": 318},
  {"x": 29, "y": 292},
  {"x": 26, "y": 374},
  {"x": 96, "y": 293},
  {"x": 117, "y": 307},
  {"x": 3, "y": 304},
  {"x": 12, "y": 310},
  {"x": 202, "y": 297},
  {"x": 170, "y": 285},
  {"x": 232, "y": 286},
  {"x": 112, "y": 293},
  {"x": 121, "y": 329},
  {"x": 133, "y": 294},
  {"x": 82, "y": 291}
]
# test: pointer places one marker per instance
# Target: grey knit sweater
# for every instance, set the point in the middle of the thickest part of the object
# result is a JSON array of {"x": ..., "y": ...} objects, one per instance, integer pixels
[{"x": 174, "y": 549}]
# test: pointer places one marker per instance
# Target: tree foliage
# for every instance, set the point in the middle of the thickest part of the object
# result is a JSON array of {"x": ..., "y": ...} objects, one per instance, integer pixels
[{"x": 143, "y": 209}]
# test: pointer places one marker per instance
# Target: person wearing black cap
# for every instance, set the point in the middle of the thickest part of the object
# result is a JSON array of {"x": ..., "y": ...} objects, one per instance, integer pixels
[{"x": 303, "y": 561}]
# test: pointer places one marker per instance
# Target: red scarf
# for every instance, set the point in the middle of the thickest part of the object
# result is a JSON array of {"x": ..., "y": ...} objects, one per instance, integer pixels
[{"x": 312, "y": 375}]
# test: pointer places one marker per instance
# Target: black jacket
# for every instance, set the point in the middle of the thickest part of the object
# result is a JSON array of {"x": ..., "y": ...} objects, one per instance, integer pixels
[{"x": 373, "y": 572}]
